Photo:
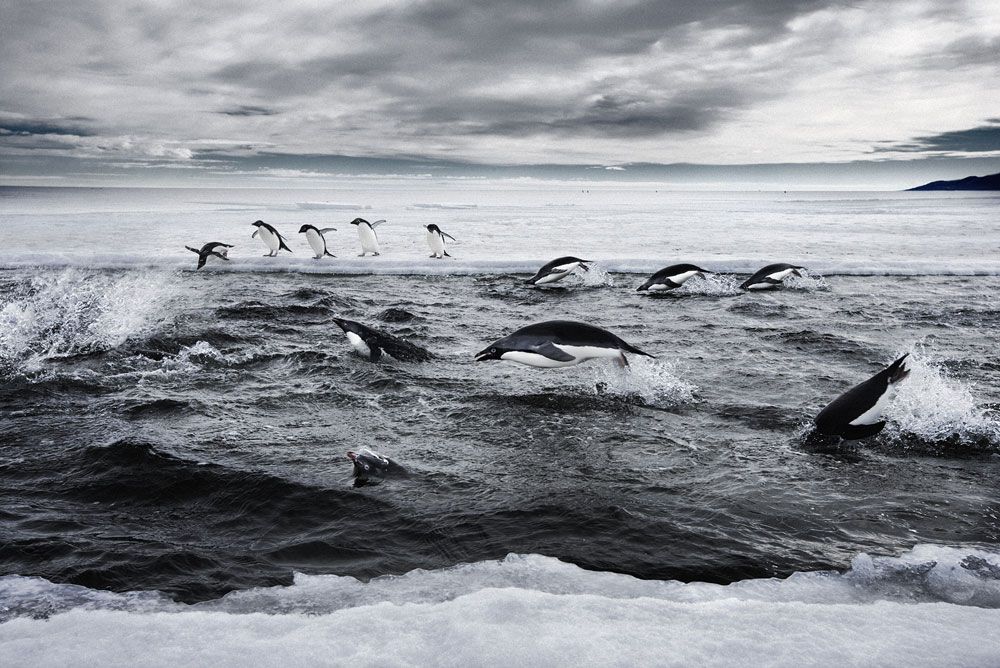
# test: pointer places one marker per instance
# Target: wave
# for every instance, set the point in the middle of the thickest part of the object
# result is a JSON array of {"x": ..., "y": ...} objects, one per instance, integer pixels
[
  {"x": 479, "y": 262},
  {"x": 932, "y": 605}
]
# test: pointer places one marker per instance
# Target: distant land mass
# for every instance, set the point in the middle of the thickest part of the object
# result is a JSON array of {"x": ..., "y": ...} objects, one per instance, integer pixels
[{"x": 991, "y": 182}]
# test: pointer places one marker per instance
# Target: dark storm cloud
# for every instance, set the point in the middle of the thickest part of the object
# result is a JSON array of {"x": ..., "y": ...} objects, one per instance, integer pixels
[
  {"x": 249, "y": 110},
  {"x": 981, "y": 139},
  {"x": 24, "y": 128}
]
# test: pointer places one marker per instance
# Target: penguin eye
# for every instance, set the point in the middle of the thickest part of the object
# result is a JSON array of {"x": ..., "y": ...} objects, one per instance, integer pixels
[
  {"x": 366, "y": 467},
  {"x": 493, "y": 350}
]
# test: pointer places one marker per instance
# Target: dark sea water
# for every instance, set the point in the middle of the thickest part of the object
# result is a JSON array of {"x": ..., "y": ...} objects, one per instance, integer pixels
[{"x": 186, "y": 432}]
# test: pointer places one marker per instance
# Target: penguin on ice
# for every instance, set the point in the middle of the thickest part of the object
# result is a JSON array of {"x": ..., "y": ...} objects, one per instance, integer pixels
[
  {"x": 557, "y": 270},
  {"x": 559, "y": 343},
  {"x": 371, "y": 343},
  {"x": 671, "y": 277},
  {"x": 210, "y": 249},
  {"x": 770, "y": 276},
  {"x": 857, "y": 413},
  {"x": 271, "y": 238},
  {"x": 366, "y": 233},
  {"x": 435, "y": 239},
  {"x": 316, "y": 240}
]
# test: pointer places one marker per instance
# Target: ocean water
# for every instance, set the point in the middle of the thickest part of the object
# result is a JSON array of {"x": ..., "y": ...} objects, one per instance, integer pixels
[{"x": 172, "y": 442}]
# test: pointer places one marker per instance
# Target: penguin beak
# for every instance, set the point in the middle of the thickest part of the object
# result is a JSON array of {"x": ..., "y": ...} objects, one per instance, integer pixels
[
  {"x": 352, "y": 455},
  {"x": 487, "y": 354}
]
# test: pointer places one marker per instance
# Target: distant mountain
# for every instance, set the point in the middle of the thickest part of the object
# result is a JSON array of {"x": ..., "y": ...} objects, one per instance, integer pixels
[{"x": 991, "y": 182}]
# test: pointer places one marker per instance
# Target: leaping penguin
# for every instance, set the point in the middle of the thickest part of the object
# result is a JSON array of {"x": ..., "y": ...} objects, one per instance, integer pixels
[
  {"x": 770, "y": 276},
  {"x": 271, "y": 238},
  {"x": 558, "y": 343},
  {"x": 371, "y": 343},
  {"x": 671, "y": 277},
  {"x": 366, "y": 233},
  {"x": 209, "y": 249},
  {"x": 857, "y": 413},
  {"x": 557, "y": 270},
  {"x": 435, "y": 239},
  {"x": 316, "y": 240}
]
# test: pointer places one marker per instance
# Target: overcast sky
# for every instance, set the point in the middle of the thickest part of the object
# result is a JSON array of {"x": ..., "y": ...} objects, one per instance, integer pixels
[{"x": 106, "y": 89}]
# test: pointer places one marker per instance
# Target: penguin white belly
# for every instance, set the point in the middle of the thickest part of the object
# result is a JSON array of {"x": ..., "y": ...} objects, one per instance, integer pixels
[
  {"x": 659, "y": 287},
  {"x": 582, "y": 353},
  {"x": 436, "y": 243},
  {"x": 761, "y": 286},
  {"x": 780, "y": 275},
  {"x": 270, "y": 239},
  {"x": 680, "y": 278},
  {"x": 558, "y": 273},
  {"x": 369, "y": 242},
  {"x": 358, "y": 344},
  {"x": 316, "y": 242},
  {"x": 874, "y": 414},
  {"x": 536, "y": 360}
]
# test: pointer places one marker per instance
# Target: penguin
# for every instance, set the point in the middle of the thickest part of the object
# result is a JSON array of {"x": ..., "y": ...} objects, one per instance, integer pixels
[
  {"x": 671, "y": 277},
  {"x": 557, "y": 270},
  {"x": 435, "y": 239},
  {"x": 857, "y": 413},
  {"x": 315, "y": 237},
  {"x": 371, "y": 343},
  {"x": 371, "y": 468},
  {"x": 271, "y": 238},
  {"x": 770, "y": 276},
  {"x": 210, "y": 249},
  {"x": 558, "y": 343},
  {"x": 366, "y": 232}
]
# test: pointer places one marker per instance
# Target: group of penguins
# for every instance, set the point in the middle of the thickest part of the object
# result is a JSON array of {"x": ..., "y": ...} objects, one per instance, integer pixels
[{"x": 855, "y": 414}]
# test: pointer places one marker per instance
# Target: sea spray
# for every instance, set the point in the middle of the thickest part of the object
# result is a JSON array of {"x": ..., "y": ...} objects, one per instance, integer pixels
[{"x": 653, "y": 381}]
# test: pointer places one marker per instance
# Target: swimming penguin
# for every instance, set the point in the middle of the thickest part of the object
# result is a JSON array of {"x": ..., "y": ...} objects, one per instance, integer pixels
[
  {"x": 371, "y": 468},
  {"x": 315, "y": 237},
  {"x": 671, "y": 277},
  {"x": 558, "y": 343},
  {"x": 210, "y": 249},
  {"x": 857, "y": 413},
  {"x": 557, "y": 270},
  {"x": 371, "y": 343},
  {"x": 770, "y": 276},
  {"x": 435, "y": 239},
  {"x": 271, "y": 238},
  {"x": 366, "y": 232}
]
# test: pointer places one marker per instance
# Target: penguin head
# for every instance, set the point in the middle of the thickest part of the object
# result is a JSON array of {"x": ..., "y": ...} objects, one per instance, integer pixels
[
  {"x": 304, "y": 229},
  {"x": 368, "y": 466},
  {"x": 494, "y": 352},
  {"x": 358, "y": 221},
  {"x": 257, "y": 223},
  {"x": 433, "y": 228}
]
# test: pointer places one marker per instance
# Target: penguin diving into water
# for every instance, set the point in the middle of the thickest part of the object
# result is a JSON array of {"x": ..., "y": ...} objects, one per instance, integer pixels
[
  {"x": 316, "y": 240},
  {"x": 671, "y": 277},
  {"x": 210, "y": 249},
  {"x": 371, "y": 343},
  {"x": 271, "y": 238},
  {"x": 366, "y": 233},
  {"x": 857, "y": 413},
  {"x": 559, "y": 343},
  {"x": 371, "y": 468},
  {"x": 557, "y": 270},
  {"x": 770, "y": 276},
  {"x": 435, "y": 239}
]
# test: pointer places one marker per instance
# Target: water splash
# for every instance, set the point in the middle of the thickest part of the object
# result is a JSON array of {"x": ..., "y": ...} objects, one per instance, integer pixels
[
  {"x": 930, "y": 406},
  {"x": 807, "y": 281},
  {"x": 654, "y": 382},
  {"x": 598, "y": 276},
  {"x": 76, "y": 312},
  {"x": 711, "y": 285}
]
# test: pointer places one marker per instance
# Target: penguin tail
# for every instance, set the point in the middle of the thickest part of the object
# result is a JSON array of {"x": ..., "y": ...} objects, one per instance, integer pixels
[
  {"x": 285, "y": 246},
  {"x": 897, "y": 370},
  {"x": 193, "y": 250},
  {"x": 632, "y": 349},
  {"x": 329, "y": 253},
  {"x": 446, "y": 254}
]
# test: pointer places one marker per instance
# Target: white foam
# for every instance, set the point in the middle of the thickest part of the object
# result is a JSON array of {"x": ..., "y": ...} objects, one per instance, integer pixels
[
  {"x": 808, "y": 281},
  {"x": 916, "y": 609},
  {"x": 655, "y": 381},
  {"x": 934, "y": 407}
]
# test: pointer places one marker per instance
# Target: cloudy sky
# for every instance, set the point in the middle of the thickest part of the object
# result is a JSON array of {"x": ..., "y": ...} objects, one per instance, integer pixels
[{"x": 138, "y": 90}]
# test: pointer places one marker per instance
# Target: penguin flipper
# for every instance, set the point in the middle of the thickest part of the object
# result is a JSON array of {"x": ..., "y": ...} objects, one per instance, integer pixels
[
  {"x": 193, "y": 250},
  {"x": 256, "y": 232},
  {"x": 552, "y": 352},
  {"x": 856, "y": 432},
  {"x": 201, "y": 260},
  {"x": 219, "y": 255},
  {"x": 328, "y": 229},
  {"x": 376, "y": 223},
  {"x": 445, "y": 234},
  {"x": 376, "y": 353},
  {"x": 584, "y": 267}
]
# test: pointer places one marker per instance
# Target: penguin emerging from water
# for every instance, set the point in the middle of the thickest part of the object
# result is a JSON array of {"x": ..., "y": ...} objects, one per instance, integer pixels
[
  {"x": 271, "y": 238},
  {"x": 371, "y": 343},
  {"x": 557, "y": 270},
  {"x": 210, "y": 249},
  {"x": 671, "y": 277},
  {"x": 559, "y": 343},
  {"x": 366, "y": 233},
  {"x": 371, "y": 468},
  {"x": 770, "y": 276},
  {"x": 316, "y": 240},
  {"x": 435, "y": 239},
  {"x": 857, "y": 413}
]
